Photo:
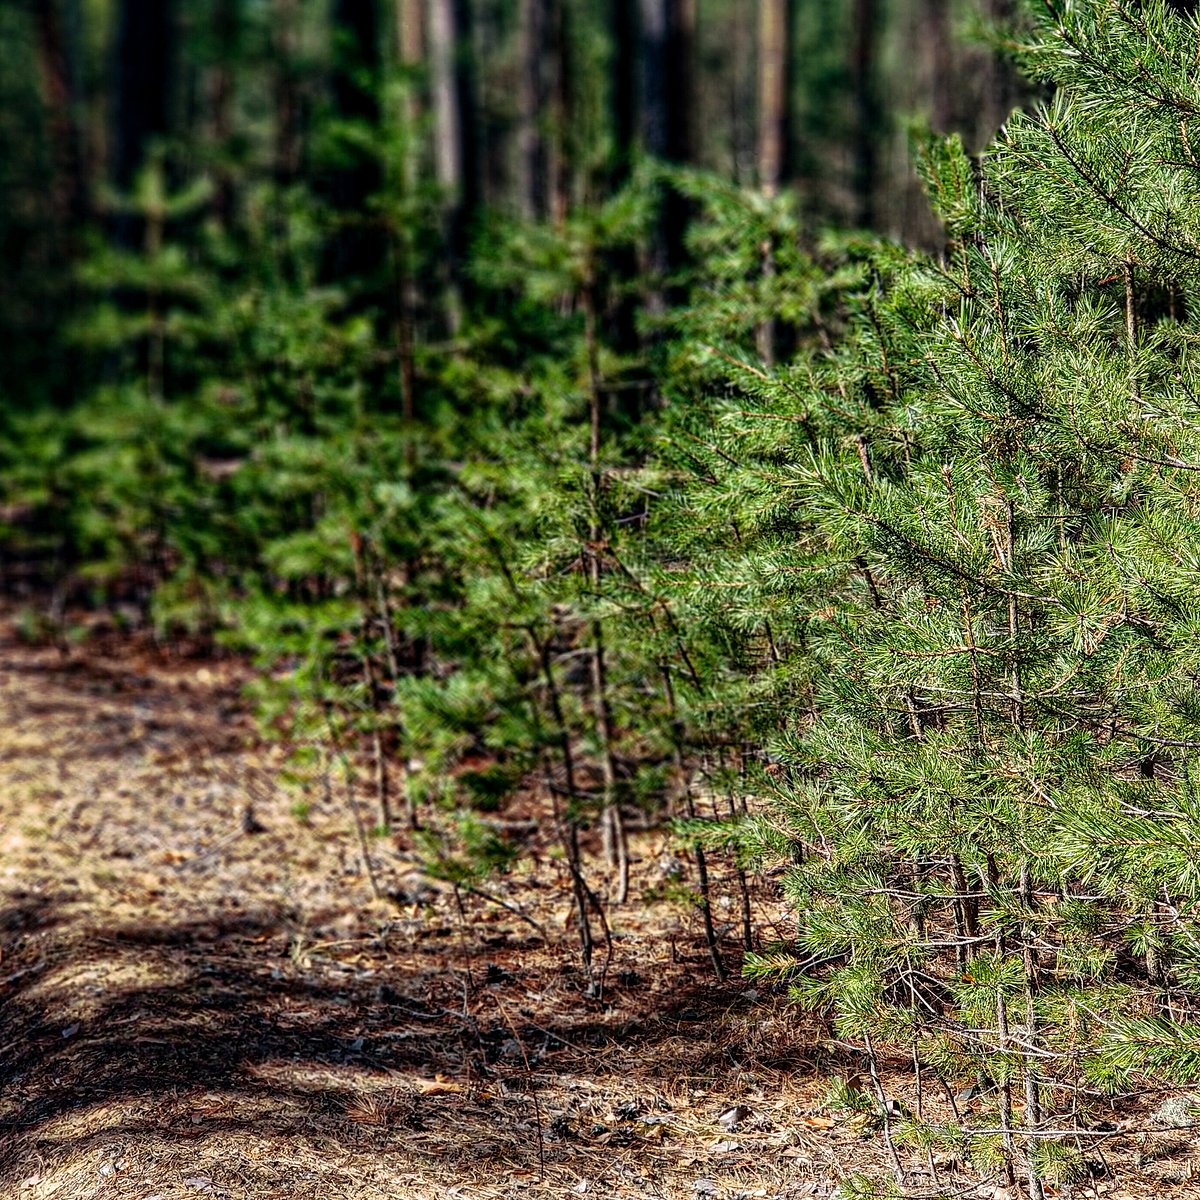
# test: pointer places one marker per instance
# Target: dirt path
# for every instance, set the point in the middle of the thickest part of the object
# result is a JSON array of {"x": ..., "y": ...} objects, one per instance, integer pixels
[{"x": 188, "y": 1009}]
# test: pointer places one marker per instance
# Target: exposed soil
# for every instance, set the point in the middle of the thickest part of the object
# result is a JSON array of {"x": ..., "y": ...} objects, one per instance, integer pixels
[{"x": 189, "y": 1008}]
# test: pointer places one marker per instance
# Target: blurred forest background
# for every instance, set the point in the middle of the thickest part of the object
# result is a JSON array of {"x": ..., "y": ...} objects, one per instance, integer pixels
[
  {"x": 401, "y": 129},
  {"x": 575, "y": 418}
]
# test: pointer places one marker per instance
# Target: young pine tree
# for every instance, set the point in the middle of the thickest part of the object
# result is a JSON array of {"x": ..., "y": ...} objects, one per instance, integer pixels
[{"x": 990, "y": 789}]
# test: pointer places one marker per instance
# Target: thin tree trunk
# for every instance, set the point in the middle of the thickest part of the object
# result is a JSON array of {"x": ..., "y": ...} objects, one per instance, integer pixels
[
  {"x": 469, "y": 118},
  {"x": 69, "y": 198},
  {"x": 287, "y": 132},
  {"x": 1033, "y": 1116},
  {"x": 710, "y": 935},
  {"x": 226, "y": 31},
  {"x": 616, "y": 843},
  {"x": 287, "y": 98},
  {"x": 447, "y": 146},
  {"x": 667, "y": 133},
  {"x": 356, "y": 249},
  {"x": 1005, "y": 1106},
  {"x": 405, "y": 299},
  {"x": 625, "y": 87},
  {"x": 561, "y": 173},
  {"x": 772, "y": 92},
  {"x": 742, "y": 99},
  {"x": 442, "y": 37},
  {"x": 868, "y": 114},
  {"x": 144, "y": 48},
  {"x": 569, "y": 827},
  {"x": 532, "y": 18},
  {"x": 772, "y": 133}
]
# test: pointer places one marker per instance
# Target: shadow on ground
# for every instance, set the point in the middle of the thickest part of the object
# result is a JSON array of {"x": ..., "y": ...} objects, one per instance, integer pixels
[{"x": 210, "y": 1027}]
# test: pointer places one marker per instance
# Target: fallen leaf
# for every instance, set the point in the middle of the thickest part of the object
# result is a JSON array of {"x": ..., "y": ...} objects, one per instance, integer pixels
[
  {"x": 439, "y": 1086},
  {"x": 818, "y": 1122}
]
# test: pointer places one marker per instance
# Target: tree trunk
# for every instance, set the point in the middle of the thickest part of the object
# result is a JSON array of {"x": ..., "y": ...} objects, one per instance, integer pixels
[
  {"x": 69, "y": 198},
  {"x": 868, "y": 115},
  {"x": 935, "y": 34},
  {"x": 355, "y": 250},
  {"x": 772, "y": 93},
  {"x": 287, "y": 99},
  {"x": 680, "y": 81},
  {"x": 654, "y": 73},
  {"x": 144, "y": 49},
  {"x": 466, "y": 83},
  {"x": 226, "y": 35},
  {"x": 562, "y": 181},
  {"x": 1004, "y": 87},
  {"x": 741, "y": 100},
  {"x": 446, "y": 41},
  {"x": 668, "y": 39},
  {"x": 532, "y": 21},
  {"x": 772, "y": 132},
  {"x": 447, "y": 145},
  {"x": 410, "y": 53},
  {"x": 624, "y": 20}
]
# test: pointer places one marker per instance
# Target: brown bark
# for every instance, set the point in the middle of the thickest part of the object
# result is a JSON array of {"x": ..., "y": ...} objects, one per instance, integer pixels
[
  {"x": 772, "y": 92},
  {"x": 615, "y": 842},
  {"x": 69, "y": 198},
  {"x": 449, "y": 140}
]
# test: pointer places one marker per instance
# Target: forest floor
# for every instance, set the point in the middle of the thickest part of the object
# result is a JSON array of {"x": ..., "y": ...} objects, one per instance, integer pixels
[{"x": 188, "y": 1009}]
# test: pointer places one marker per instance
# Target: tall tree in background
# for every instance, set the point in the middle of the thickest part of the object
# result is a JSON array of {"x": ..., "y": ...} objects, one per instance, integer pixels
[
  {"x": 773, "y": 40},
  {"x": 450, "y": 152},
  {"x": 624, "y": 19},
  {"x": 227, "y": 28},
  {"x": 355, "y": 176},
  {"x": 288, "y": 133},
  {"x": 59, "y": 86},
  {"x": 535, "y": 20},
  {"x": 410, "y": 53},
  {"x": 468, "y": 69},
  {"x": 936, "y": 38},
  {"x": 145, "y": 57},
  {"x": 867, "y": 111},
  {"x": 668, "y": 35}
]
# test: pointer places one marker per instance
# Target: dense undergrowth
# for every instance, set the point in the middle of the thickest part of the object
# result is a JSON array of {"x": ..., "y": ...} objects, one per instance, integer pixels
[{"x": 878, "y": 565}]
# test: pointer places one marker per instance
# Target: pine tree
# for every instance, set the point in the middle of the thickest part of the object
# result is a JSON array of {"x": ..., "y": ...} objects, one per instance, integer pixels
[{"x": 990, "y": 790}]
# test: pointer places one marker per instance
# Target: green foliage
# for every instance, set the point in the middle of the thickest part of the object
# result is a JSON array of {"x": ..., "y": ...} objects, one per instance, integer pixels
[{"x": 968, "y": 521}]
